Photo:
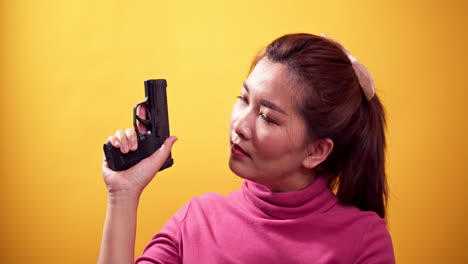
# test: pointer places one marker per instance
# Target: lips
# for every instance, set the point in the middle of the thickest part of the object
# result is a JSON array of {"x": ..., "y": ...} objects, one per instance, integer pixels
[{"x": 237, "y": 150}]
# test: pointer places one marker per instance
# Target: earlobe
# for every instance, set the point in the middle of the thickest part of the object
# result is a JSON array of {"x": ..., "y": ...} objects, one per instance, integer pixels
[{"x": 318, "y": 152}]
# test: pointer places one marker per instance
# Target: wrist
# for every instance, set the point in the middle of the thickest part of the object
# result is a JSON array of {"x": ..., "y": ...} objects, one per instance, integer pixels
[{"x": 123, "y": 198}]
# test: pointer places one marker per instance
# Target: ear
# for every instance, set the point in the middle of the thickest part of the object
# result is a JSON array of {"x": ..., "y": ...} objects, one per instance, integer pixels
[{"x": 318, "y": 151}]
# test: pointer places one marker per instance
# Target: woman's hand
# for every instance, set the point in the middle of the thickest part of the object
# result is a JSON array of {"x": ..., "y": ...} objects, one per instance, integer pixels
[{"x": 134, "y": 179}]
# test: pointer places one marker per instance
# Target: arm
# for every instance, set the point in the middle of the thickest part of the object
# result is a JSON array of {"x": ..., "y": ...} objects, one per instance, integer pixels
[
  {"x": 118, "y": 240},
  {"x": 124, "y": 189}
]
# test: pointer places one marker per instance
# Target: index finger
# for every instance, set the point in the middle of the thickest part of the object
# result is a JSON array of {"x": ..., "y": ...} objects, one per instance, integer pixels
[{"x": 141, "y": 112}]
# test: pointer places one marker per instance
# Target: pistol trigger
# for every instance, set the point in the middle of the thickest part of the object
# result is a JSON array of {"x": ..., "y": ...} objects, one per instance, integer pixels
[{"x": 144, "y": 121}]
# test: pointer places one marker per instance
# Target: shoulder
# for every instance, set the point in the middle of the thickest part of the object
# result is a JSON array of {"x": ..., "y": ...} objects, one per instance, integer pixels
[
  {"x": 374, "y": 244},
  {"x": 198, "y": 206},
  {"x": 213, "y": 200},
  {"x": 209, "y": 197},
  {"x": 372, "y": 240},
  {"x": 354, "y": 216},
  {"x": 363, "y": 222},
  {"x": 208, "y": 203}
]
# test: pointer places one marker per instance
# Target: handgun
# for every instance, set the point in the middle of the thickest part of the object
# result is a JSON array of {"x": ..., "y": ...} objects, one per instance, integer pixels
[{"x": 157, "y": 124}]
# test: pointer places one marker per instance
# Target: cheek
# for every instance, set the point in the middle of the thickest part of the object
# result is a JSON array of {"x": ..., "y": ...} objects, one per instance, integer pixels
[
  {"x": 272, "y": 142},
  {"x": 278, "y": 143}
]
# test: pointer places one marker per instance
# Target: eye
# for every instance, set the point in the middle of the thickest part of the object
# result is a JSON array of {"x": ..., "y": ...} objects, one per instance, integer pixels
[
  {"x": 242, "y": 98},
  {"x": 267, "y": 119}
]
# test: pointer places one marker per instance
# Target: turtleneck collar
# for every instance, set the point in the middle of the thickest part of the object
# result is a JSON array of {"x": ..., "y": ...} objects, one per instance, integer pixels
[{"x": 314, "y": 199}]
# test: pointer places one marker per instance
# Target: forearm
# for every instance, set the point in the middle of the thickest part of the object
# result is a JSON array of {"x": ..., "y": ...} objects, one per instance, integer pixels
[{"x": 118, "y": 240}]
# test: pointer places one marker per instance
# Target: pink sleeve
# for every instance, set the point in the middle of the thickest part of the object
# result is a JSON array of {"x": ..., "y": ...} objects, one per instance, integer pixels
[
  {"x": 376, "y": 246},
  {"x": 164, "y": 247}
]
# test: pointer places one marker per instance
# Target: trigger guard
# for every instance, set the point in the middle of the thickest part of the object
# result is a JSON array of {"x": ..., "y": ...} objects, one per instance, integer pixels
[{"x": 143, "y": 121}]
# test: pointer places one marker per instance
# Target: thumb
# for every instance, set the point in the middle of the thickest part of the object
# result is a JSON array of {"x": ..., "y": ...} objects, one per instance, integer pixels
[
  {"x": 158, "y": 158},
  {"x": 147, "y": 168}
]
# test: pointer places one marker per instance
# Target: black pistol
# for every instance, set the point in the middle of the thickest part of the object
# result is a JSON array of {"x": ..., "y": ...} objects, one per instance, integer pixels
[{"x": 157, "y": 124}]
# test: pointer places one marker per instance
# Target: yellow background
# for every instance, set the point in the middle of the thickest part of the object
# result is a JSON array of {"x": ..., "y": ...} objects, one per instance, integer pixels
[{"x": 71, "y": 72}]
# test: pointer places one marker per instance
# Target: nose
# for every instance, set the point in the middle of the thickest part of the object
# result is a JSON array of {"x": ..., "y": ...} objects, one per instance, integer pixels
[{"x": 242, "y": 125}]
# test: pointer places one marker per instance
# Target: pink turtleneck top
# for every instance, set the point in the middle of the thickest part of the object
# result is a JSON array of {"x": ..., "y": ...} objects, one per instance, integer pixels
[{"x": 255, "y": 225}]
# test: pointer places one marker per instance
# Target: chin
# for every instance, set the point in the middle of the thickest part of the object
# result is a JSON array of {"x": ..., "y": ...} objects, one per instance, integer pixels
[
  {"x": 243, "y": 171},
  {"x": 238, "y": 169}
]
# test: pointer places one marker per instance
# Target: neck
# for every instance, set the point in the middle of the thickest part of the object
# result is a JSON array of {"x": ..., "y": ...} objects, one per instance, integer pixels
[{"x": 291, "y": 183}]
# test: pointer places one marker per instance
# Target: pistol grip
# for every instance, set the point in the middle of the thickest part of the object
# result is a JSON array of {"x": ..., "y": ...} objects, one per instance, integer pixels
[{"x": 119, "y": 161}]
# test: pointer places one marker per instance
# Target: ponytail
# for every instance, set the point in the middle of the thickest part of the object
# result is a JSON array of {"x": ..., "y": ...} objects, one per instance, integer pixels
[{"x": 363, "y": 181}]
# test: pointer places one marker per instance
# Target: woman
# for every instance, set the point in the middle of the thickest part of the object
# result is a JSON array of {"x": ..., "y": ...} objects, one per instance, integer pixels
[{"x": 307, "y": 122}]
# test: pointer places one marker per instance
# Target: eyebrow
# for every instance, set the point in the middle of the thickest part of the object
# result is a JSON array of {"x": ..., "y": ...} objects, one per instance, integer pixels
[{"x": 266, "y": 103}]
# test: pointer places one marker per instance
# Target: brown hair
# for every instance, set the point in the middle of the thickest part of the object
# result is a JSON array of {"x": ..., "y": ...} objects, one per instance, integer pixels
[{"x": 335, "y": 107}]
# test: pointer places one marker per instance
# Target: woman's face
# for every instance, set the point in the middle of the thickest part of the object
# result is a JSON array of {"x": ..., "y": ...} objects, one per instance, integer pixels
[{"x": 267, "y": 134}]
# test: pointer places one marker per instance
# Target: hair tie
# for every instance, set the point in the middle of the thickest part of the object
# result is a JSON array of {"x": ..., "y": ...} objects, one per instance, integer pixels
[{"x": 364, "y": 76}]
